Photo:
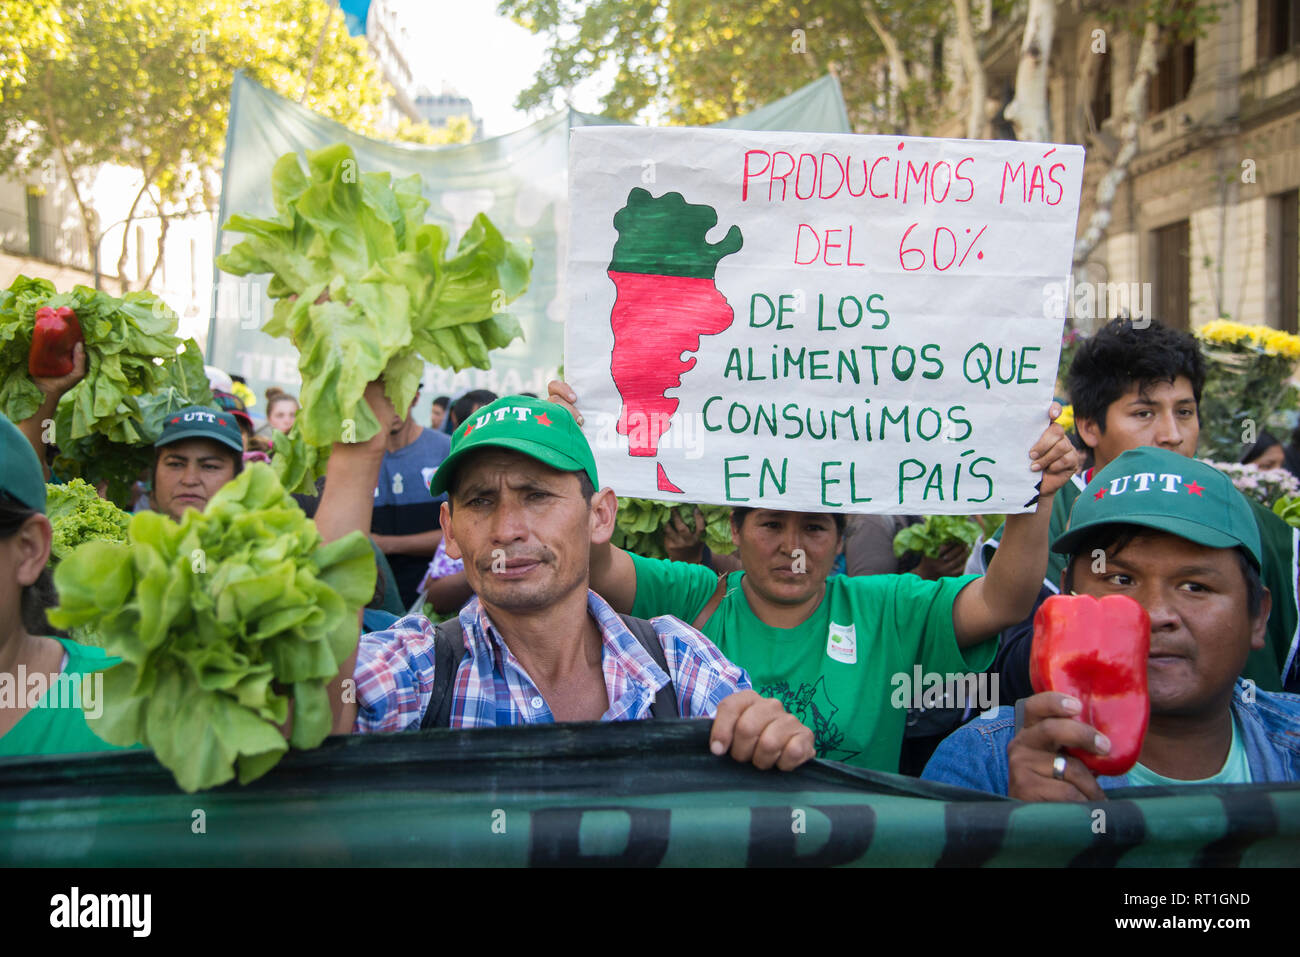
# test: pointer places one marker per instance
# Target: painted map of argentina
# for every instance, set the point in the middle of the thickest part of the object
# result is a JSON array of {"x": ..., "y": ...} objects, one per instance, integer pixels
[{"x": 663, "y": 269}]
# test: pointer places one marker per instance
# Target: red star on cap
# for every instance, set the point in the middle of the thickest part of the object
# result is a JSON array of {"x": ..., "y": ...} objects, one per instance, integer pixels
[
  {"x": 175, "y": 420},
  {"x": 543, "y": 419},
  {"x": 1100, "y": 492},
  {"x": 1194, "y": 489},
  {"x": 221, "y": 421},
  {"x": 468, "y": 430}
]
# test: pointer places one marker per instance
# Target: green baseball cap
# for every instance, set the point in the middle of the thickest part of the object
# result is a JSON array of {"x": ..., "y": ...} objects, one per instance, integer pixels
[
  {"x": 200, "y": 422},
  {"x": 537, "y": 428},
  {"x": 1166, "y": 491},
  {"x": 21, "y": 475}
]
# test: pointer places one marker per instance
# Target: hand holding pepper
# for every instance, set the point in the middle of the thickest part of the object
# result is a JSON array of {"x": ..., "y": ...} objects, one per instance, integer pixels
[
  {"x": 1051, "y": 724},
  {"x": 54, "y": 387},
  {"x": 55, "y": 334}
]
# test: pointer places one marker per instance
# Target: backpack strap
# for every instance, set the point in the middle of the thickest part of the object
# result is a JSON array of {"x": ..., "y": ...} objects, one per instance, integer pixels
[
  {"x": 449, "y": 648},
  {"x": 712, "y": 604},
  {"x": 643, "y": 631}
]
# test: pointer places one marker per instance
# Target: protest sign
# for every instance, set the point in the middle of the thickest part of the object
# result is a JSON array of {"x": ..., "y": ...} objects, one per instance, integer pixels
[{"x": 817, "y": 322}]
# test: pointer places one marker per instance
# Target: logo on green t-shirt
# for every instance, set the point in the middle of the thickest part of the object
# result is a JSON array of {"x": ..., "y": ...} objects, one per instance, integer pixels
[{"x": 813, "y": 706}]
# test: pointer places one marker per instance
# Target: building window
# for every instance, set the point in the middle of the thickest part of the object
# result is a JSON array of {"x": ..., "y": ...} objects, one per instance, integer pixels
[
  {"x": 1173, "y": 276},
  {"x": 1277, "y": 24},
  {"x": 1288, "y": 261},
  {"x": 1099, "y": 105},
  {"x": 1173, "y": 79}
]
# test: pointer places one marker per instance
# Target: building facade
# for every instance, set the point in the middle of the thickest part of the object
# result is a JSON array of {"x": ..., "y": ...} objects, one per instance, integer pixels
[{"x": 1206, "y": 223}]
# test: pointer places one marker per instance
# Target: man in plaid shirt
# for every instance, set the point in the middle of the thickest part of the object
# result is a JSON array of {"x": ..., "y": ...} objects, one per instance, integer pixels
[{"x": 540, "y": 646}]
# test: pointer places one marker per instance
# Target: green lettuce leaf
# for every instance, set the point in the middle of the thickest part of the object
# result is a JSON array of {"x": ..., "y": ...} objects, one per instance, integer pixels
[
  {"x": 640, "y": 525},
  {"x": 78, "y": 515},
  {"x": 220, "y": 620},
  {"x": 937, "y": 531},
  {"x": 365, "y": 290}
]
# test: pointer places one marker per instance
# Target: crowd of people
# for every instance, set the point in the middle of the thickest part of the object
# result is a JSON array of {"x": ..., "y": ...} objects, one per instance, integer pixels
[{"x": 493, "y": 519}]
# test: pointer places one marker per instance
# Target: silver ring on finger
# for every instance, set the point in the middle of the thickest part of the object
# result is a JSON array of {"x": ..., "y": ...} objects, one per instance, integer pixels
[{"x": 1058, "y": 767}]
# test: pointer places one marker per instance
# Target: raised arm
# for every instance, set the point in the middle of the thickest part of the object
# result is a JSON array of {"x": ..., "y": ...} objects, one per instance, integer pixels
[
  {"x": 1006, "y": 594},
  {"x": 346, "y": 505},
  {"x": 52, "y": 390}
]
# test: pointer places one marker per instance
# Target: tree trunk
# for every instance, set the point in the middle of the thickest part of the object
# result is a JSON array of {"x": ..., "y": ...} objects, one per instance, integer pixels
[
  {"x": 164, "y": 222},
  {"x": 897, "y": 65},
  {"x": 1135, "y": 111},
  {"x": 976, "y": 81},
  {"x": 1027, "y": 112},
  {"x": 126, "y": 230}
]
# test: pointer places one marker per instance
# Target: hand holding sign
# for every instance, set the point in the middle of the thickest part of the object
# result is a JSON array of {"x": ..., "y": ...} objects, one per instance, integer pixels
[{"x": 1054, "y": 455}]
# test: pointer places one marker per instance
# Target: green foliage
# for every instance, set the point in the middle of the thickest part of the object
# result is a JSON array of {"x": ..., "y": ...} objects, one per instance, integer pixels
[
  {"x": 146, "y": 84},
  {"x": 695, "y": 62},
  {"x": 364, "y": 289},
  {"x": 937, "y": 531},
  {"x": 78, "y": 515},
  {"x": 27, "y": 26},
  {"x": 1180, "y": 22},
  {"x": 136, "y": 372},
  {"x": 1288, "y": 509},
  {"x": 220, "y": 621},
  {"x": 641, "y": 522}
]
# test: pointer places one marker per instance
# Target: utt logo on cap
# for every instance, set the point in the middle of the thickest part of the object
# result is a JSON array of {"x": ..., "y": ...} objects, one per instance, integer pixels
[
  {"x": 1143, "y": 482},
  {"x": 520, "y": 412}
]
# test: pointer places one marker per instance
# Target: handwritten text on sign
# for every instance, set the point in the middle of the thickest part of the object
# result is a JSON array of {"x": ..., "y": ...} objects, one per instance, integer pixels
[{"x": 816, "y": 322}]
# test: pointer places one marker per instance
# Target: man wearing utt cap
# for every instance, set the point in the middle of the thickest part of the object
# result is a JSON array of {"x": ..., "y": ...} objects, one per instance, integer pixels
[
  {"x": 536, "y": 645},
  {"x": 1174, "y": 535}
]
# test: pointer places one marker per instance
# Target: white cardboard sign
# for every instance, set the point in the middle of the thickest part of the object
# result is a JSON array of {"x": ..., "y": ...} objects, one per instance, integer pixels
[{"x": 817, "y": 322}]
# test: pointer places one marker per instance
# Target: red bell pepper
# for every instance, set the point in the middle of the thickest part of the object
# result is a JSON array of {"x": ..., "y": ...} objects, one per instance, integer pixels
[
  {"x": 56, "y": 334},
  {"x": 1096, "y": 651}
]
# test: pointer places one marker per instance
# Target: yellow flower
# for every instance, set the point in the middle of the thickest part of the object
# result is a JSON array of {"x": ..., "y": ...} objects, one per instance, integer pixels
[
  {"x": 1066, "y": 419},
  {"x": 245, "y": 394},
  {"x": 1224, "y": 331},
  {"x": 1273, "y": 342},
  {"x": 1277, "y": 342}
]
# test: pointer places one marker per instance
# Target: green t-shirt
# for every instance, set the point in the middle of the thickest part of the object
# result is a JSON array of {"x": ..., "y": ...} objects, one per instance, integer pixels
[
  {"x": 1280, "y": 544},
  {"x": 836, "y": 672},
  {"x": 1235, "y": 770},
  {"x": 57, "y": 724}
]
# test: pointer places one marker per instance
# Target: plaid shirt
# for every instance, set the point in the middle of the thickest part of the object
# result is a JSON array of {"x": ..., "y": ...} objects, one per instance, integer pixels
[{"x": 394, "y": 673}]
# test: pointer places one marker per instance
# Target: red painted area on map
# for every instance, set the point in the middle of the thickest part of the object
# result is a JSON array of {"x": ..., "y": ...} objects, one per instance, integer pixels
[
  {"x": 655, "y": 319},
  {"x": 664, "y": 483}
]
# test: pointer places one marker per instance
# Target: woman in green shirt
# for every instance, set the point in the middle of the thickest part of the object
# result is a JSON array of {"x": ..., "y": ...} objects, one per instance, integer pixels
[
  {"x": 44, "y": 681},
  {"x": 846, "y": 656}
]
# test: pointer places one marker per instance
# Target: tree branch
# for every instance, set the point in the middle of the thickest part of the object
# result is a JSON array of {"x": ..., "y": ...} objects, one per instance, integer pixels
[
  {"x": 1135, "y": 100},
  {"x": 1027, "y": 112},
  {"x": 87, "y": 214},
  {"x": 977, "y": 82},
  {"x": 897, "y": 65},
  {"x": 130, "y": 218}
]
